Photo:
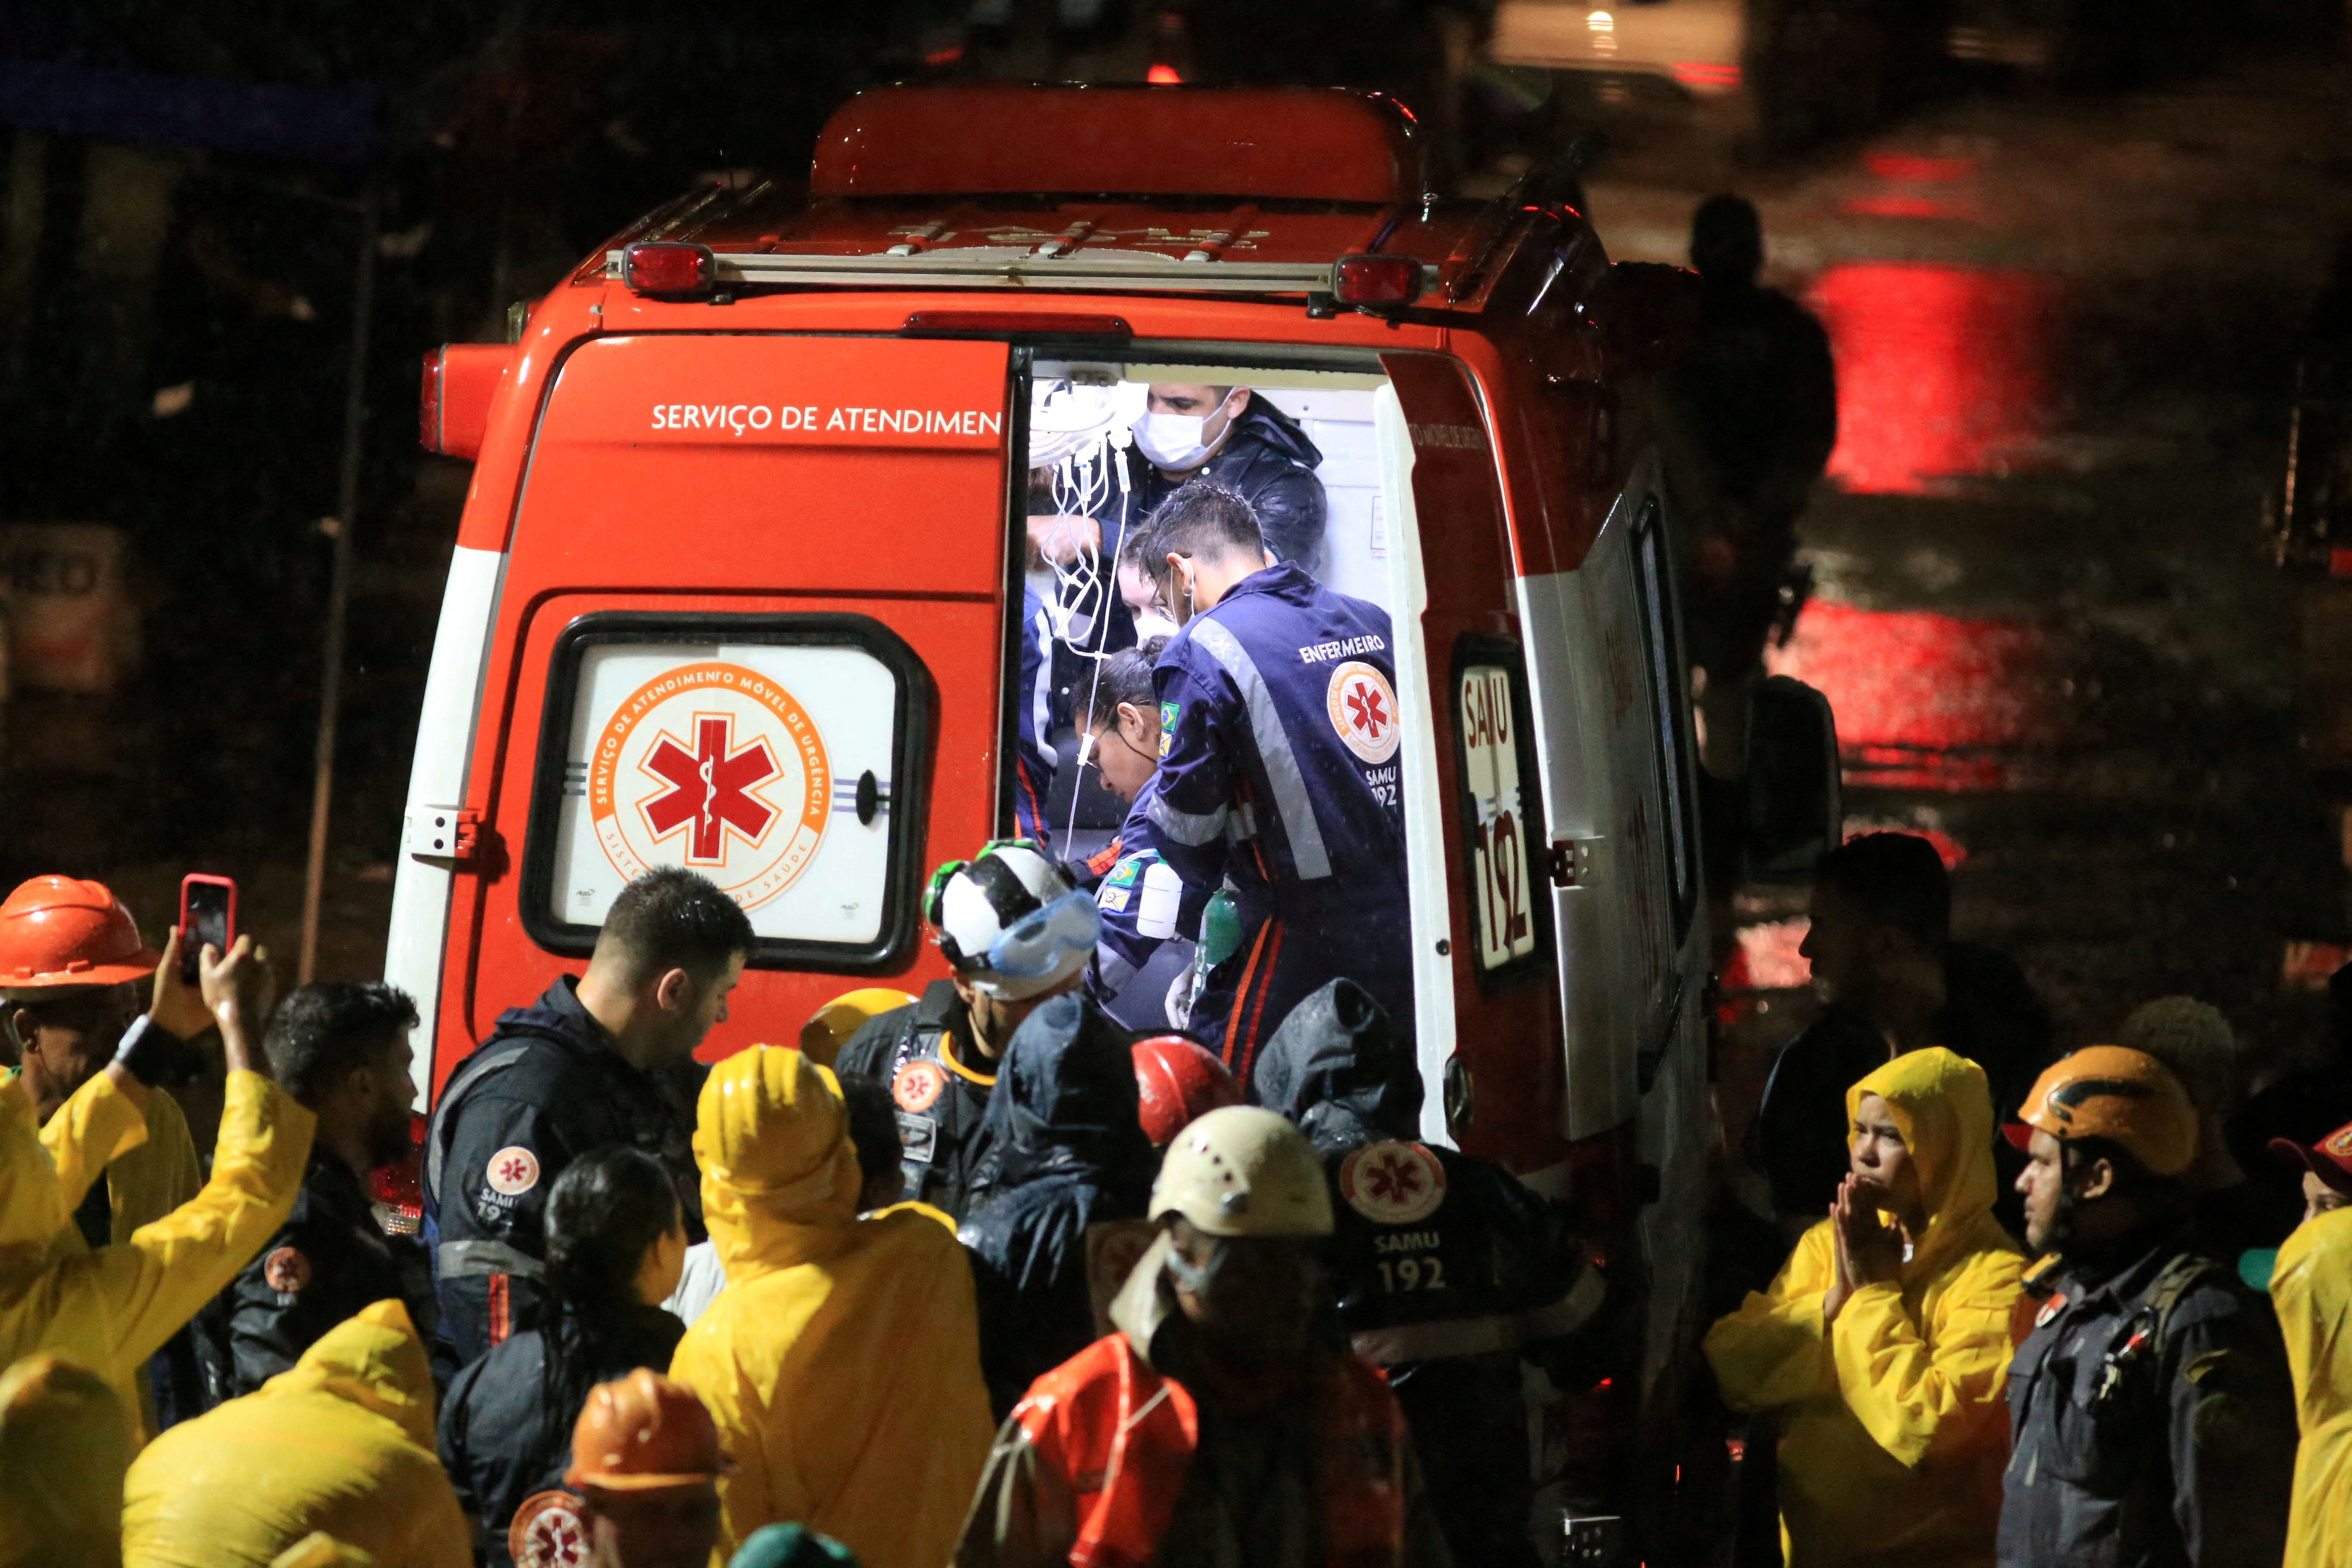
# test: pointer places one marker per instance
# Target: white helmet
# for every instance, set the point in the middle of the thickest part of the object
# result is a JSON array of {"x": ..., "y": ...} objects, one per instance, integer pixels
[
  {"x": 1011, "y": 921},
  {"x": 1243, "y": 1171}
]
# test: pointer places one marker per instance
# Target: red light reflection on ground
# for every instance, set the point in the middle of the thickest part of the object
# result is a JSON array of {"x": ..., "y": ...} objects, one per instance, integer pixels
[
  {"x": 1903, "y": 206},
  {"x": 1942, "y": 371},
  {"x": 1911, "y": 166},
  {"x": 1923, "y": 701}
]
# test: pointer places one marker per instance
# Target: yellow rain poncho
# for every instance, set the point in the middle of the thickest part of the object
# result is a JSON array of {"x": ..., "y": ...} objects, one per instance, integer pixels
[
  {"x": 64, "y": 1446},
  {"x": 108, "y": 1310},
  {"x": 341, "y": 1444},
  {"x": 1894, "y": 1426},
  {"x": 2312, "y": 1289},
  {"x": 147, "y": 1178},
  {"x": 842, "y": 1361}
]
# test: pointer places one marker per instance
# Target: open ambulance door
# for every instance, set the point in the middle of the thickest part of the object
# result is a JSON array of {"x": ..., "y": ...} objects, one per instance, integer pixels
[
  {"x": 752, "y": 623},
  {"x": 1487, "y": 991}
]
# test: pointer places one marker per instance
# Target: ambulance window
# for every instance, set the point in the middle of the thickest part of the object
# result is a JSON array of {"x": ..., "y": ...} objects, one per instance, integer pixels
[
  {"x": 1491, "y": 730},
  {"x": 1662, "y": 642},
  {"x": 780, "y": 755}
]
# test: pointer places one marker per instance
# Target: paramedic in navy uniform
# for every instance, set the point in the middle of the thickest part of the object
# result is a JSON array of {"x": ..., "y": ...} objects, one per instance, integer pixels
[
  {"x": 1278, "y": 769},
  {"x": 602, "y": 1059}
]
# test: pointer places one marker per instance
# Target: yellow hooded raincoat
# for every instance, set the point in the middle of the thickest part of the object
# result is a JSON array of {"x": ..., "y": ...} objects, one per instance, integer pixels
[
  {"x": 342, "y": 1443},
  {"x": 147, "y": 1178},
  {"x": 842, "y": 1361},
  {"x": 1893, "y": 1424},
  {"x": 108, "y": 1310},
  {"x": 2312, "y": 1289}
]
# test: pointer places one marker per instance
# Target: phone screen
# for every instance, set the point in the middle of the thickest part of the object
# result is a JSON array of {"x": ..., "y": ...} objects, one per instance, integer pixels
[{"x": 204, "y": 908}]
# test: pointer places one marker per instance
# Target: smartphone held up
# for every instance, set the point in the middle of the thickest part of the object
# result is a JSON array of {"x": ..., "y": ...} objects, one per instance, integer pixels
[{"x": 207, "y": 918}]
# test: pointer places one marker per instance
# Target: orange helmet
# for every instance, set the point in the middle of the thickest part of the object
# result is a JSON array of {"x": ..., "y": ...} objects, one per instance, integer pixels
[
  {"x": 55, "y": 930},
  {"x": 643, "y": 1433},
  {"x": 1175, "y": 1081},
  {"x": 2125, "y": 1096}
]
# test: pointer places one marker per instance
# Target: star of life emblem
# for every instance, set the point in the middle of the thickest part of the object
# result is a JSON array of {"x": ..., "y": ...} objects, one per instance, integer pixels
[
  {"x": 1393, "y": 1182},
  {"x": 1363, "y": 710},
  {"x": 513, "y": 1171},
  {"x": 547, "y": 1532},
  {"x": 714, "y": 766}
]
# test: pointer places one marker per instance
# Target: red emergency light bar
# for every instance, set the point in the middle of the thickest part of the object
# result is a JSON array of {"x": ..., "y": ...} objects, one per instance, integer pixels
[
  {"x": 668, "y": 266},
  {"x": 1325, "y": 144},
  {"x": 1376, "y": 279}
]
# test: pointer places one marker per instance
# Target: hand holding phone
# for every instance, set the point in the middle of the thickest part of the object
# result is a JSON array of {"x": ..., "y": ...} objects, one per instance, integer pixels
[{"x": 208, "y": 919}]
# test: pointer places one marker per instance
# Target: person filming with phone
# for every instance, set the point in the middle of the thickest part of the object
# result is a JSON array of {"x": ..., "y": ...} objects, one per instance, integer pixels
[
  {"x": 110, "y": 1309},
  {"x": 75, "y": 981}
]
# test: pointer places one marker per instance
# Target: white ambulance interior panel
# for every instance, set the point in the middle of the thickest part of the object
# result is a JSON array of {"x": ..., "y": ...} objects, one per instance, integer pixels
[{"x": 1337, "y": 412}]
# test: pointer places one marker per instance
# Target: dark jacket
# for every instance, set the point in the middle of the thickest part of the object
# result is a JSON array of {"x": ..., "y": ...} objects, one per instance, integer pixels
[
  {"x": 1279, "y": 777},
  {"x": 327, "y": 1261},
  {"x": 545, "y": 1088},
  {"x": 502, "y": 1442},
  {"x": 1067, "y": 1152},
  {"x": 2151, "y": 1419},
  {"x": 1990, "y": 1015},
  {"x": 941, "y": 1086},
  {"x": 1272, "y": 463},
  {"x": 1447, "y": 1268}
]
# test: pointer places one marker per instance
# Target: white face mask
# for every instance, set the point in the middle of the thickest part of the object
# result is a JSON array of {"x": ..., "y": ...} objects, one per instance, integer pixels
[{"x": 1171, "y": 440}]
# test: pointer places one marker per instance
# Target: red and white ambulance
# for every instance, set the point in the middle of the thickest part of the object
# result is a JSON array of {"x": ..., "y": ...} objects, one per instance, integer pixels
[{"x": 740, "y": 583}]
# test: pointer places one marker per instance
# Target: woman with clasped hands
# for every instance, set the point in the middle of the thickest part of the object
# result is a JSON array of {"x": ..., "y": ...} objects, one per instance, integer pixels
[{"x": 1884, "y": 1345}]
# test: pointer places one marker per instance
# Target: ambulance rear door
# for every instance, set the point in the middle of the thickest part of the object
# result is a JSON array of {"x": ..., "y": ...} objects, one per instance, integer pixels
[
  {"x": 1488, "y": 993},
  {"x": 752, "y": 624}
]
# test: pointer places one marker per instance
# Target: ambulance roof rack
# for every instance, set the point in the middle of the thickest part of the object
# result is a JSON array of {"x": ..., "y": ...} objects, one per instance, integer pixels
[
  {"x": 1322, "y": 144},
  {"x": 1003, "y": 266}
]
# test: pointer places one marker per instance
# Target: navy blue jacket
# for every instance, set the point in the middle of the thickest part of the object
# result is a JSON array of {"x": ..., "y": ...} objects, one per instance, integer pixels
[
  {"x": 1280, "y": 776},
  {"x": 500, "y": 1440},
  {"x": 1270, "y": 461},
  {"x": 1447, "y": 1268},
  {"x": 545, "y": 1088},
  {"x": 1066, "y": 1152}
]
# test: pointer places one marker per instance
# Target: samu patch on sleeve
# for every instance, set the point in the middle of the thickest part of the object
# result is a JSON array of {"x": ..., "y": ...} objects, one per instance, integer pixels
[{"x": 286, "y": 1271}]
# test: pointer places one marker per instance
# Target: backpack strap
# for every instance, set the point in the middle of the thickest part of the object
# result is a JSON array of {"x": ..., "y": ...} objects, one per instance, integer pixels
[{"x": 2143, "y": 1343}]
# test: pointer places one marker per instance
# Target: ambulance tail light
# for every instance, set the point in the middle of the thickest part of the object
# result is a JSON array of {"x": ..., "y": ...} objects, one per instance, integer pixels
[
  {"x": 1376, "y": 281},
  {"x": 453, "y": 408},
  {"x": 668, "y": 266}
]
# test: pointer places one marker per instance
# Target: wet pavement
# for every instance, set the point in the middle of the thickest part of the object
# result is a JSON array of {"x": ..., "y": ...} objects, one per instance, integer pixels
[{"x": 2064, "y": 333}]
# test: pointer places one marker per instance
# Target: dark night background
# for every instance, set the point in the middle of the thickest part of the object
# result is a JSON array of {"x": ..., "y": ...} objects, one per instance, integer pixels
[{"x": 2084, "y": 260}]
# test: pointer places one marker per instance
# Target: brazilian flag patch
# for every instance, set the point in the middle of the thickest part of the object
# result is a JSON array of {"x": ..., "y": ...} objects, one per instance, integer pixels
[{"x": 1167, "y": 712}]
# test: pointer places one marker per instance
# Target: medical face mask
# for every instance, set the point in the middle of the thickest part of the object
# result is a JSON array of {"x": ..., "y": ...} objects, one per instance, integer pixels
[{"x": 1173, "y": 440}]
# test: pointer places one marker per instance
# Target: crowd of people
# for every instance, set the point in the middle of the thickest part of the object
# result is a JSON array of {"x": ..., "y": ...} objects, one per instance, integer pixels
[{"x": 1121, "y": 1307}]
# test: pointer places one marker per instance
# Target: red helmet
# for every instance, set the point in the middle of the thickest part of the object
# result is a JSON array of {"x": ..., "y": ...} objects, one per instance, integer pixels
[
  {"x": 55, "y": 930},
  {"x": 1176, "y": 1080}
]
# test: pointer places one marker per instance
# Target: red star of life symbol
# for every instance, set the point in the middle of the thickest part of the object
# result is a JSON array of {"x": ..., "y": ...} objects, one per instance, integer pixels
[
  {"x": 514, "y": 1168},
  {"x": 1366, "y": 702},
  {"x": 1395, "y": 1179},
  {"x": 711, "y": 788}
]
